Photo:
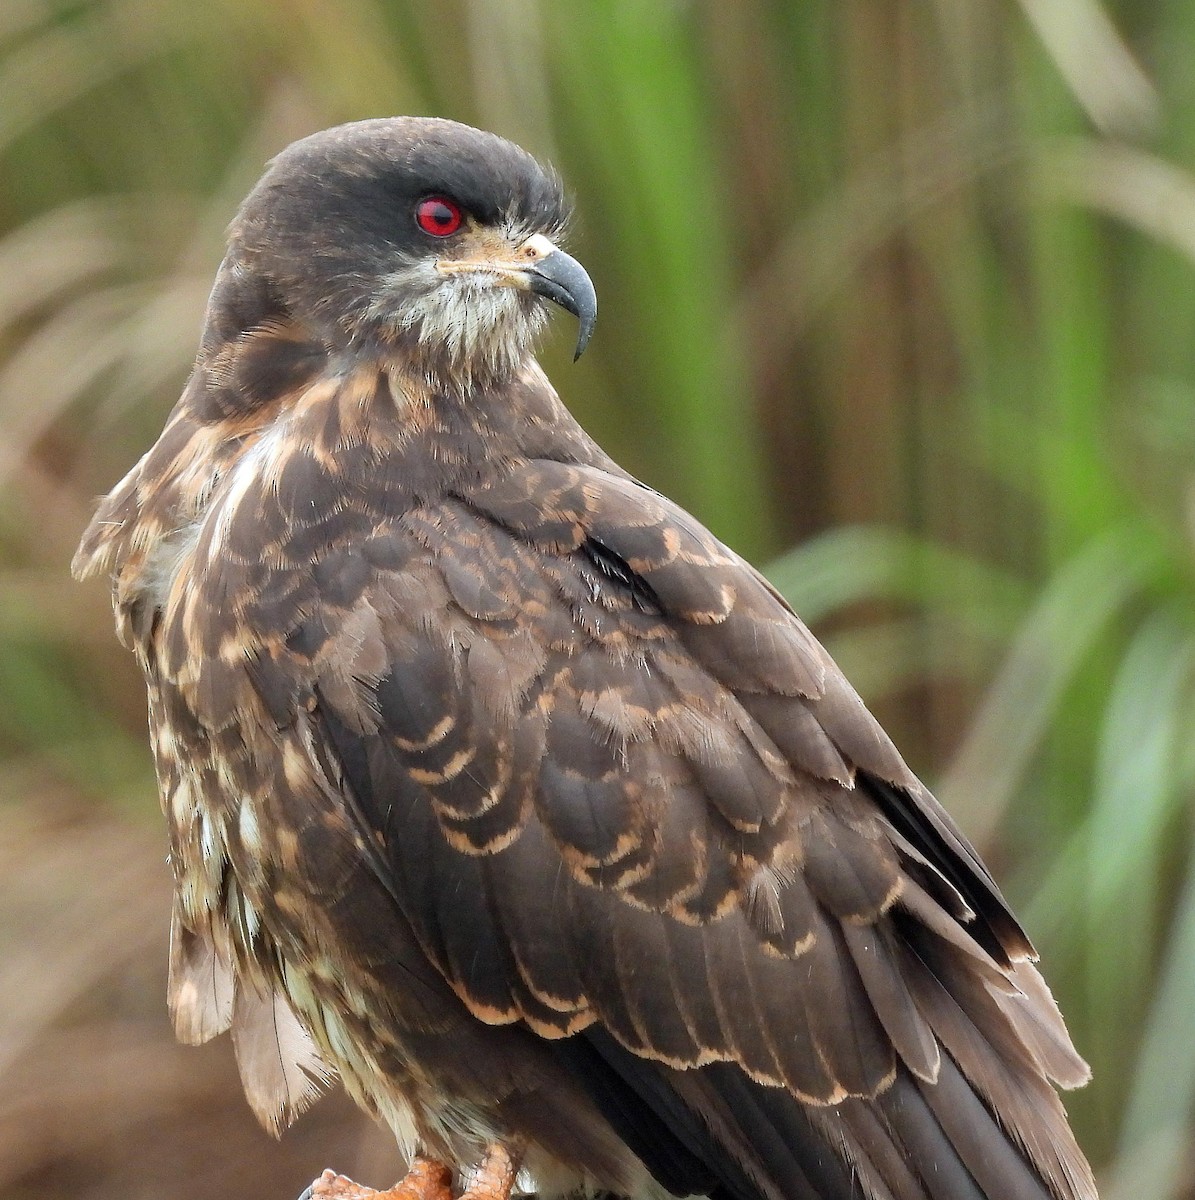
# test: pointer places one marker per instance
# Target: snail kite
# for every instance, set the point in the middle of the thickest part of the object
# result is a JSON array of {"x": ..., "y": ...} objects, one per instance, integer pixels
[{"x": 501, "y": 789}]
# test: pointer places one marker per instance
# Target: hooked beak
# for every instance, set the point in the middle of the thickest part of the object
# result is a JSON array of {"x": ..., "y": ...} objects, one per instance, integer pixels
[
  {"x": 560, "y": 278},
  {"x": 539, "y": 267}
]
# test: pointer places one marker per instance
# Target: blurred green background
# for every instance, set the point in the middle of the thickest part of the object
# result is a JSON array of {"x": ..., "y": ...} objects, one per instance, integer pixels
[{"x": 898, "y": 296}]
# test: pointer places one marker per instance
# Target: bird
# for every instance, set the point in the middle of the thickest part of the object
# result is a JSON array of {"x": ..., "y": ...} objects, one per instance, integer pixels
[{"x": 502, "y": 790}]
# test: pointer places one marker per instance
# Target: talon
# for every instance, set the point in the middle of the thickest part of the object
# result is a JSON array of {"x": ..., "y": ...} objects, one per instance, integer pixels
[
  {"x": 427, "y": 1179},
  {"x": 495, "y": 1175}
]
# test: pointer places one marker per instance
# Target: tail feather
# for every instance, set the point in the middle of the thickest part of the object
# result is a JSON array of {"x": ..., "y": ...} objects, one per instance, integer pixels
[
  {"x": 863, "y": 1138},
  {"x": 989, "y": 1048},
  {"x": 712, "y": 1130},
  {"x": 990, "y": 1158},
  {"x": 916, "y": 1129},
  {"x": 715, "y": 1130},
  {"x": 915, "y": 1141},
  {"x": 786, "y": 1148}
]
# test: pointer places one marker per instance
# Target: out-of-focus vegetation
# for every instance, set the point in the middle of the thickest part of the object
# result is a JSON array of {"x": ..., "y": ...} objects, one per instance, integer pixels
[{"x": 897, "y": 295}]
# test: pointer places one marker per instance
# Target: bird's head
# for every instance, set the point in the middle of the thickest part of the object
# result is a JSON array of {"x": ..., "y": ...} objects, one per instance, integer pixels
[{"x": 415, "y": 234}]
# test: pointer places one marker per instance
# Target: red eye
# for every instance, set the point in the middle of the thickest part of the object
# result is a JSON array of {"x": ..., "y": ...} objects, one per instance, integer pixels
[{"x": 438, "y": 216}]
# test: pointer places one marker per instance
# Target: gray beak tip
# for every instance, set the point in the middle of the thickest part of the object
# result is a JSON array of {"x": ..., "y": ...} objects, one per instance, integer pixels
[{"x": 584, "y": 333}]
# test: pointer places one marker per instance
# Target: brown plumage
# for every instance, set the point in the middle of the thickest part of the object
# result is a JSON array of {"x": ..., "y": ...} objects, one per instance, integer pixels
[{"x": 497, "y": 786}]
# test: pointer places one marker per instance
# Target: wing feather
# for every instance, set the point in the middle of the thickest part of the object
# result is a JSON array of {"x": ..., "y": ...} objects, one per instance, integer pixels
[{"x": 874, "y": 954}]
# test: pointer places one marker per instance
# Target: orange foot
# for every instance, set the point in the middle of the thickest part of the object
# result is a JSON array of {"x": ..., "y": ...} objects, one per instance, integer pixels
[{"x": 428, "y": 1179}]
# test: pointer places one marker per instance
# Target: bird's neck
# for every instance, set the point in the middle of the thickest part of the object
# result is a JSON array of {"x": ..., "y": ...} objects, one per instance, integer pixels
[{"x": 486, "y": 422}]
